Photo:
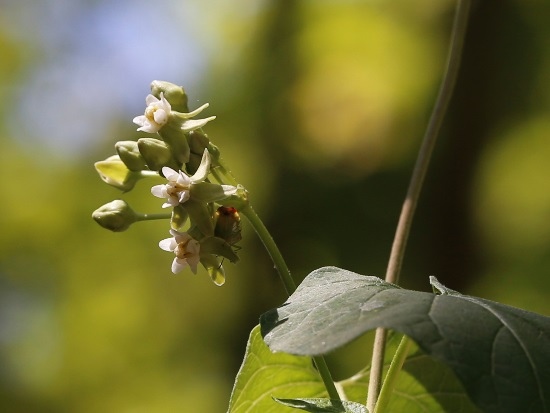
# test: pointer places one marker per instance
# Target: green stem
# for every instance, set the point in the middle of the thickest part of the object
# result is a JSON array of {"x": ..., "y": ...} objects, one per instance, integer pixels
[
  {"x": 413, "y": 193},
  {"x": 290, "y": 287},
  {"x": 271, "y": 247},
  {"x": 393, "y": 374},
  {"x": 151, "y": 217}
]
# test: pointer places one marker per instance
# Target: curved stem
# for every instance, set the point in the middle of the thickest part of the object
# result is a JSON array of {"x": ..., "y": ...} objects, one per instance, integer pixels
[
  {"x": 271, "y": 247},
  {"x": 290, "y": 287},
  {"x": 413, "y": 193}
]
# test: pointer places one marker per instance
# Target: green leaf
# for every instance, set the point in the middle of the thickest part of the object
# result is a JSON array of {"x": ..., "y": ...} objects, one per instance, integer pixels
[
  {"x": 264, "y": 375},
  {"x": 423, "y": 385},
  {"x": 499, "y": 353},
  {"x": 324, "y": 405}
]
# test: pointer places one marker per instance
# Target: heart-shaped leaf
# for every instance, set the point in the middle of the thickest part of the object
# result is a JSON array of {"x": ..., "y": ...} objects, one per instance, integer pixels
[
  {"x": 500, "y": 353},
  {"x": 265, "y": 375}
]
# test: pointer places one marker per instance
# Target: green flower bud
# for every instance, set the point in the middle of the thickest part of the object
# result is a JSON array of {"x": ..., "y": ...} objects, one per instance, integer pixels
[
  {"x": 173, "y": 134},
  {"x": 156, "y": 154},
  {"x": 173, "y": 93},
  {"x": 198, "y": 142},
  {"x": 179, "y": 217},
  {"x": 214, "y": 268},
  {"x": 129, "y": 154},
  {"x": 218, "y": 246},
  {"x": 200, "y": 218},
  {"x": 209, "y": 192},
  {"x": 115, "y": 216},
  {"x": 115, "y": 173}
]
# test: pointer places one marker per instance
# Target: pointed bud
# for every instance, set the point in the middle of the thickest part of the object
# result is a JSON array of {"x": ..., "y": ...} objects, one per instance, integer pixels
[
  {"x": 214, "y": 268},
  {"x": 179, "y": 217},
  {"x": 115, "y": 173},
  {"x": 173, "y": 134},
  {"x": 115, "y": 216},
  {"x": 218, "y": 246},
  {"x": 173, "y": 93},
  {"x": 209, "y": 192},
  {"x": 198, "y": 142},
  {"x": 129, "y": 154},
  {"x": 156, "y": 154}
]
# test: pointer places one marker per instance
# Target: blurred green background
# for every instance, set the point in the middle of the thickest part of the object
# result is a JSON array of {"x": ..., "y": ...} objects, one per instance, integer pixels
[{"x": 320, "y": 109}]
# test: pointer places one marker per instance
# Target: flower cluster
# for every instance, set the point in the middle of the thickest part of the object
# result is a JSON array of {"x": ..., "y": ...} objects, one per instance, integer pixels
[{"x": 204, "y": 225}]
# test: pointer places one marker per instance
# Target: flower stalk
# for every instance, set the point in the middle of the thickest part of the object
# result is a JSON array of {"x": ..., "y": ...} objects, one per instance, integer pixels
[{"x": 448, "y": 82}]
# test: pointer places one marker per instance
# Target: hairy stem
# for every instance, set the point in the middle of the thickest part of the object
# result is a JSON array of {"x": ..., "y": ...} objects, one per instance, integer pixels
[
  {"x": 417, "y": 180},
  {"x": 290, "y": 287}
]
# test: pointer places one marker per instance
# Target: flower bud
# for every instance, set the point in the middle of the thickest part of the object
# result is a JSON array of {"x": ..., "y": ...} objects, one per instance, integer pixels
[
  {"x": 115, "y": 216},
  {"x": 115, "y": 173},
  {"x": 173, "y": 134},
  {"x": 173, "y": 93},
  {"x": 218, "y": 246},
  {"x": 156, "y": 154},
  {"x": 239, "y": 200},
  {"x": 129, "y": 154},
  {"x": 198, "y": 142},
  {"x": 214, "y": 268},
  {"x": 179, "y": 217}
]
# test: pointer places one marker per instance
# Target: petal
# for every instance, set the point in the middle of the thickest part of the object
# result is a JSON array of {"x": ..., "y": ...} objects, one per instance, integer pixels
[
  {"x": 168, "y": 244},
  {"x": 229, "y": 189},
  {"x": 190, "y": 125},
  {"x": 160, "y": 116},
  {"x": 204, "y": 168},
  {"x": 159, "y": 191},
  {"x": 184, "y": 196},
  {"x": 178, "y": 265},
  {"x": 140, "y": 120},
  {"x": 193, "y": 262},
  {"x": 170, "y": 174},
  {"x": 150, "y": 99},
  {"x": 164, "y": 104}
]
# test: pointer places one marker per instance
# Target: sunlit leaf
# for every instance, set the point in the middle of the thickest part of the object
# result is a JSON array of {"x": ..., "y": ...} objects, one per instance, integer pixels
[
  {"x": 265, "y": 375},
  {"x": 499, "y": 353}
]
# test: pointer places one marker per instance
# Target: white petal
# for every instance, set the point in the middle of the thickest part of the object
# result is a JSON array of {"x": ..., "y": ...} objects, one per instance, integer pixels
[
  {"x": 140, "y": 120},
  {"x": 184, "y": 196},
  {"x": 164, "y": 104},
  {"x": 161, "y": 117},
  {"x": 229, "y": 189},
  {"x": 168, "y": 244},
  {"x": 170, "y": 174},
  {"x": 159, "y": 191},
  {"x": 204, "y": 168},
  {"x": 150, "y": 99},
  {"x": 178, "y": 265},
  {"x": 190, "y": 125}
]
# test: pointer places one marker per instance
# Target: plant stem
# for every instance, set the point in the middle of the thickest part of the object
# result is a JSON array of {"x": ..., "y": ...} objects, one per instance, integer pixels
[
  {"x": 393, "y": 373},
  {"x": 413, "y": 193},
  {"x": 290, "y": 287},
  {"x": 271, "y": 247},
  {"x": 151, "y": 217}
]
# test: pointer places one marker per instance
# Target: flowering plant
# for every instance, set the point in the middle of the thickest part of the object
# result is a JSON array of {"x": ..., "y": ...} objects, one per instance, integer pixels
[{"x": 445, "y": 352}]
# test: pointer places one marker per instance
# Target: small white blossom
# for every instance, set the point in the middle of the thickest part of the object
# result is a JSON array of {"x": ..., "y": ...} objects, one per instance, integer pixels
[
  {"x": 156, "y": 114},
  {"x": 178, "y": 188},
  {"x": 186, "y": 248}
]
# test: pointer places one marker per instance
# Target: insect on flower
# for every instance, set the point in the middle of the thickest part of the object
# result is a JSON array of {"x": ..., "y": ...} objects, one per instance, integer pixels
[{"x": 228, "y": 225}]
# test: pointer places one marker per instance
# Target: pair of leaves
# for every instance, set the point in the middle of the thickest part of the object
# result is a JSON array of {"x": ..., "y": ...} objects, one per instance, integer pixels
[{"x": 500, "y": 354}]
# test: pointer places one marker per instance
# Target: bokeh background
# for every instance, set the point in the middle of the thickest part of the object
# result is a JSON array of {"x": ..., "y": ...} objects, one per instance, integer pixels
[{"x": 320, "y": 109}]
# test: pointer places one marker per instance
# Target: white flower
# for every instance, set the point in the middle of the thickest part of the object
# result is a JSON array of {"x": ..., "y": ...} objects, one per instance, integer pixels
[
  {"x": 185, "y": 247},
  {"x": 156, "y": 114},
  {"x": 178, "y": 188}
]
